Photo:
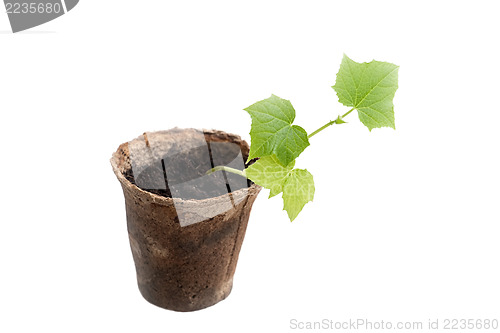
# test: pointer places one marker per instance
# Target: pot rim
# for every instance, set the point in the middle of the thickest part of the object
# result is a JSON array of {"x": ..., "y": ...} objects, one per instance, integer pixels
[{"x": 159, "y": 199}]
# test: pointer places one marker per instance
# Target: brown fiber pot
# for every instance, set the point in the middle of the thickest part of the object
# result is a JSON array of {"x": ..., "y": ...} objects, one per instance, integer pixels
[{"x": 191, "y": 267}]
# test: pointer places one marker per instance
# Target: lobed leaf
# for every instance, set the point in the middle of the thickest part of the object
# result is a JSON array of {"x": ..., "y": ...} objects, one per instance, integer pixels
[
  {"x": 272, "y": 132},
  {"x": 297, "y": 191},
  {"x": 297, "y": 185},
  {"x": 269, "y": 173},
  {"x": 370, "y": 89}
]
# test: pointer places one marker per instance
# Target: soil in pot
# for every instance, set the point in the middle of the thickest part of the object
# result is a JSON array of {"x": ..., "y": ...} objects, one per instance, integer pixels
[{"x": 185, "y": 227}]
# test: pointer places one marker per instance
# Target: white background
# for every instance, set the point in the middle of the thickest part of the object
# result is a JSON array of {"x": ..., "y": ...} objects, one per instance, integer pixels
[{"x": 404, "y": 225}]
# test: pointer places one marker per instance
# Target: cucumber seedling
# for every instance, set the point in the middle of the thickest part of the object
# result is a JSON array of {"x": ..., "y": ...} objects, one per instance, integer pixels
[{"x": 368, "y": 88}]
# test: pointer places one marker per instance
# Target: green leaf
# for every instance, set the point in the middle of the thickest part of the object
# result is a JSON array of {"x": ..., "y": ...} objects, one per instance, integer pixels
[
  {"x": 297, "y": 191},
  {"x": 297, "y": 185},
  {"x": 369, "y": 88},
  {"x": 272, "y": 131},
  {"x": 269, "y": 173}
]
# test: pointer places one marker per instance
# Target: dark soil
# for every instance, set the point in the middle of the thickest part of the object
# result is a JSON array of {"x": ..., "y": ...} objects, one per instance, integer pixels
[{"x": 184, "y": 173}]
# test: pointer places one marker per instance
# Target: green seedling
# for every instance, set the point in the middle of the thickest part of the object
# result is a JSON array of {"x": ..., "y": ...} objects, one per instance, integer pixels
[{"x": 368, "y": 88}]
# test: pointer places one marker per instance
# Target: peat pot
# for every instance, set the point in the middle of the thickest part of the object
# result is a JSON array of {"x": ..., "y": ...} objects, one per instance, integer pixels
[{"x": 185, "y": 227}]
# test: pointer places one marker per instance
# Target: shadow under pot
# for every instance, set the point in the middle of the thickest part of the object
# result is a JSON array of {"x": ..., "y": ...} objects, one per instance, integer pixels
[{"x": 185, "y": 227}]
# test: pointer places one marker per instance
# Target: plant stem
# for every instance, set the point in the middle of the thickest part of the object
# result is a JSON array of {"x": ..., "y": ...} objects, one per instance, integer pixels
[
  {"x": 228, "y": 169},
  {"x": 242, "y": 173},
  {"x": 330, "y": 123},
  {"x": 345, "y": 114}
]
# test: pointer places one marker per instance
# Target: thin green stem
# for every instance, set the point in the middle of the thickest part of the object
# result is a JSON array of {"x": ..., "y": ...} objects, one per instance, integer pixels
[
  {"x": 330, "y": 123},
  {"x": 228, "y": 169},
  {"x": 345, "y": 114},
  {"x": 242, "y": 173}
]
